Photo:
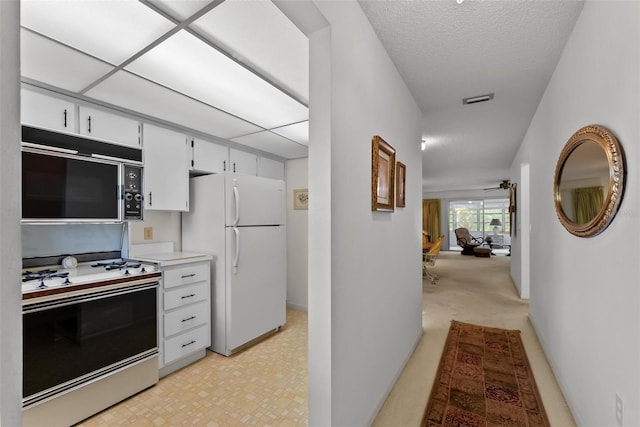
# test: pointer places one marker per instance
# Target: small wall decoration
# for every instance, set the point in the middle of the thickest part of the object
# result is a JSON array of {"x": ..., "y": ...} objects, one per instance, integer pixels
[
  {"x": 512, "y": 208},
  {"x": 401, "y": 173},
  {"x": 383, "y": 165},
  {"x": 301, "y": 199}
]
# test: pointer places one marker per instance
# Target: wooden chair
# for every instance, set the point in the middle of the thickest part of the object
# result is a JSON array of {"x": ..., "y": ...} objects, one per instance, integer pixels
[
  {"x": 429, "y": 259},
  {"x": 466, "y": 241}
]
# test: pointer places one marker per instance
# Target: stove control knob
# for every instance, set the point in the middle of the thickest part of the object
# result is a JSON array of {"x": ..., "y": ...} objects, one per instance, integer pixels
[
  {"x": 138, "y": 197},
  {"x": 128, "y": 196}
]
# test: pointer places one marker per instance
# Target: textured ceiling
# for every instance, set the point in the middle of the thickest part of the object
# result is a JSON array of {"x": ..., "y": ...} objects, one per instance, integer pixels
[{"x": 447, "y": 51}]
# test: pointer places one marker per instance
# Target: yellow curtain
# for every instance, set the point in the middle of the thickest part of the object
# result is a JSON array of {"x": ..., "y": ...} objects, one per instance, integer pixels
[
  {"x": 431, "y": 217},
  {"x": 587, "y": 202}
]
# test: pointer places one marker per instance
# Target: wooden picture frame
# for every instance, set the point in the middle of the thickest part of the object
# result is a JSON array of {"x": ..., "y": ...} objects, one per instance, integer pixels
[
  {"x": 401, "y": 177},
  {"x": 383, "y": 165},
  {"x": 301, "y": 199}
]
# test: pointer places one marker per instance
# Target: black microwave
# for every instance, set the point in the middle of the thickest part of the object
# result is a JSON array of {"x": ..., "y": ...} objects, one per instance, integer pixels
[{"x": 64, "y": 184}]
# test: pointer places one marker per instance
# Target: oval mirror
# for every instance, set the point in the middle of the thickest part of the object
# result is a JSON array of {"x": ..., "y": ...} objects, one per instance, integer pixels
[{"x": 589, "y": 181}]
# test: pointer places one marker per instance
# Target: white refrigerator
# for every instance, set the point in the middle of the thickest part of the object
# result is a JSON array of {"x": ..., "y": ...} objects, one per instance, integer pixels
[{"x": 240, "y": 220}]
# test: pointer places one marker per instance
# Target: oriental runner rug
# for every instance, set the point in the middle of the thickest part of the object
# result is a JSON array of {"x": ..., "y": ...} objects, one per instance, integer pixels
[{"x": 484, "y": 379}]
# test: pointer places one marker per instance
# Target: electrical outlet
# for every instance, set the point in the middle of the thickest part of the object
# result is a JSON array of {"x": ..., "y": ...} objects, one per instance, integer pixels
[
  {"x": 619, "y": 410},
  {"x": 148, "y": 233}
]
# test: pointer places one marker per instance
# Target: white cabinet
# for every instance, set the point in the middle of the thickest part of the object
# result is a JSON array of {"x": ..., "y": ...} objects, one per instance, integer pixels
[
  {"x": 46, "y": 111},
  {"x": 110, "y": 127},
  {"x": 185, "y": 315},
  {"x": 208, "y": 157},
  {"x": 268, "y": 168},
  {"x": 166, "y": 173},
  {"x": 243, "y": 162}
]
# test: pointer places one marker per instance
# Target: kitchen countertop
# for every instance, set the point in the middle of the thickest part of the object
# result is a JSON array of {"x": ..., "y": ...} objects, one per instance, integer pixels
[{"x": 174, "y": 258}]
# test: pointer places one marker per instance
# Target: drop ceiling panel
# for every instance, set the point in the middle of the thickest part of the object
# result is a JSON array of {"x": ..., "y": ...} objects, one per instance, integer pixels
[
  {"x": 181, "y": 10},
  {"x": 109, "y": 30},
  {"x": 258, "y": 34},
  {"x": 55, "y": 64},
  {"x": 188, "y": 65},
  {"x": 137, "y": 94},
  {"x": 272, "y": 143},
  {"x": 299, "y": 132}
]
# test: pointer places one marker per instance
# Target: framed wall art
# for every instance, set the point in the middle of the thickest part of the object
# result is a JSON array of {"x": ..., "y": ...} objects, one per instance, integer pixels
[
  {"x": 383, "y": 165},
  {"x": 301, "y": 199},
  {"x": 401, "y": 173}
]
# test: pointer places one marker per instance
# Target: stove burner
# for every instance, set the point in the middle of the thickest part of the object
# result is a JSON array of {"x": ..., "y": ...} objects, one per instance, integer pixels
[
  {"x": 42, "y": 275},
  {"x": 116, "y": 265}
]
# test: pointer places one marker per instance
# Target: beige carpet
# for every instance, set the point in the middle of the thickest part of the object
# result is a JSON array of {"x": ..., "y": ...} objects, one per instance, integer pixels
[{"x": 472, "y": 290}]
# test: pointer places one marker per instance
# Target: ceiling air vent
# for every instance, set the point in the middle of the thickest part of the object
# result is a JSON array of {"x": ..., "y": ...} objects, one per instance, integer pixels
[{"x": 476, "y": 99}]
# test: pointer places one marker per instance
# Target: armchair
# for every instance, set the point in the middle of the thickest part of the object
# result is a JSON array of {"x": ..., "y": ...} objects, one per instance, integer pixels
[
  {"x": 466, "y": 241},
  {"x": 429, "y": 259}
]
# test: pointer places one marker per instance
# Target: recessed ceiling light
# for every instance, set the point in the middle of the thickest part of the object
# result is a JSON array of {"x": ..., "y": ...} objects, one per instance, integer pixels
[
  {"x": 459, "y": 1},
  {"x": 476, "y": 99}
]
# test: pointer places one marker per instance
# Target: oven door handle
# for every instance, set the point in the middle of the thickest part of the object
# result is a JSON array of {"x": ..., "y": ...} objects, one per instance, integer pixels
[{"x": 75, "y": 299}]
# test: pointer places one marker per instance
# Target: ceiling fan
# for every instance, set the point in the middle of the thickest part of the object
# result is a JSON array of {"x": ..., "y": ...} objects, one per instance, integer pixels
[{"x": 504, "y": 185}]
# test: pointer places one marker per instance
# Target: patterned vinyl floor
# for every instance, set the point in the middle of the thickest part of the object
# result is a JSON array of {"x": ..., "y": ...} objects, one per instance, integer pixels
[{"x": 264, "y": 385}]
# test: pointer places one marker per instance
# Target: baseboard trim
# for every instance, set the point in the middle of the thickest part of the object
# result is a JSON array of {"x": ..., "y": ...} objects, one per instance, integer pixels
[{"x": 297, "y": 307}]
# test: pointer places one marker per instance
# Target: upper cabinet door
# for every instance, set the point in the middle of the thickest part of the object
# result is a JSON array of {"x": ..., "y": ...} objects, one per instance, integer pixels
[
  {"x": 110, "y": 127},
  {"x": 47, "y": 112},
  {"x": 208, "y": 157},
  {"x": 268, "y": 168},
  {"x": 243, "y": 162},
  {"x": 166, "y": 175}
]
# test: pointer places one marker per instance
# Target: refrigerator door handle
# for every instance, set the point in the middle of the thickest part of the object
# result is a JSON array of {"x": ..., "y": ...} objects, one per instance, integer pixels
[
  {"x": 236, "y": 199},
  {"x": 236, "y": 258}
]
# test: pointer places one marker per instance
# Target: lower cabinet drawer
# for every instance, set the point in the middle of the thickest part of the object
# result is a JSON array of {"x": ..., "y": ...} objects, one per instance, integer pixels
[
  {"x": 186, "y": 318},
  {"x": 186, "y": 275},
  {"x": 184, "y": 295},
  {"x": 184, "y": 344}
]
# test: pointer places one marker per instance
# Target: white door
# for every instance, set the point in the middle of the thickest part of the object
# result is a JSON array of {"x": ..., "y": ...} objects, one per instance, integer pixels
[
  {"x": 243, "y": 162},
  {"x": 110, "y": 127},
  {"x": 256, "y": 282},
  {"x": 268, "y": 168},
  {"x": 46, "y": 111},
  {"x": 208, "y": 157},
  {"x": 252, "y": 200},
  {"x": 166, "y": 172}
]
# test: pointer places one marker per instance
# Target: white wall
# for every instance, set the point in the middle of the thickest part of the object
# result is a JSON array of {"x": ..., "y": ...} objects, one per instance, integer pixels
[
  {"x": 10, "y": 247},
  {"x": 365, "y": 282},
  {"x": 584, "y": 301},
  {"x": 297, "y": 172}
]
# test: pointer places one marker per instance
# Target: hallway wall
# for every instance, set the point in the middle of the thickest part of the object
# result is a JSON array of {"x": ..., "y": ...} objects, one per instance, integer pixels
[{"x": 584, "y": 301}]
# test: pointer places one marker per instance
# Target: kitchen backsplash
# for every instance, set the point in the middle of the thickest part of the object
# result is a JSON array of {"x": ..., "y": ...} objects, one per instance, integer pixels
[{"x": 60, "y": 239}]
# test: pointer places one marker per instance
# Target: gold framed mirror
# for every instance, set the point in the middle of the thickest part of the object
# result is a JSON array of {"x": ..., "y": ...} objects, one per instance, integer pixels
[{"x": 589, "y": 181}]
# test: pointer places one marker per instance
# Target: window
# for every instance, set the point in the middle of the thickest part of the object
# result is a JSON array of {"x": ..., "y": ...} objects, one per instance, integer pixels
[{"x": 476, "y": 216}]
